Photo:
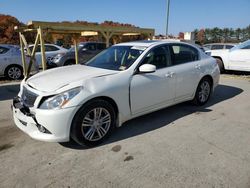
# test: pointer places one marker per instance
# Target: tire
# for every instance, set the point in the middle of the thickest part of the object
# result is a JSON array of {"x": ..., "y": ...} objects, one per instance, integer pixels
[
  {"x": 14, "y": 72},
  {"x": 220, "y": 64},
  {"x": 203, "y": 92},
  {"x": 69, "y": 62},
  {"x": 88, "y": 127}
]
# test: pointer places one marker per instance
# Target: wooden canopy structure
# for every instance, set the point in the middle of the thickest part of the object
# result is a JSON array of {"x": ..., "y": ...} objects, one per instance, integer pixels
[{"x": 75, "y": 29}]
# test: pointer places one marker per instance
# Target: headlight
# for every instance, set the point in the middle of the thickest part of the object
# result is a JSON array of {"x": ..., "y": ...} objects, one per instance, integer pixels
[{"x": 61, "y": 99}]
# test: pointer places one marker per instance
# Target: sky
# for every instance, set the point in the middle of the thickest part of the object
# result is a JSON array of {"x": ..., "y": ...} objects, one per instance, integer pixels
[{"x": 185, "y": 15}]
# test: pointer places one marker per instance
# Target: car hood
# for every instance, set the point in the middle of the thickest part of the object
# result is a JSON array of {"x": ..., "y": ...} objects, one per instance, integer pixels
[{"x": 54, "y": 79}]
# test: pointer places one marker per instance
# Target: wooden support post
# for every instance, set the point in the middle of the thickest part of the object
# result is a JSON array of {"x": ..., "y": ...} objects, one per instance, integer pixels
[
  {"x": 76, "y": 49},
  {"x": 23, "y": 56},
  {"x": 107, "y": 35},
  {"x": 42, "y": 49},
  {"x": 33, "y": 53}
]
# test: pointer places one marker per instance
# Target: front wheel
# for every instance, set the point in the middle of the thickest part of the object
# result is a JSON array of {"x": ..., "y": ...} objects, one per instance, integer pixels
[
  {"x": 221, "y": 65},
  {"x": 203, "y": 91},
  {"x": 93, "y": 123}
]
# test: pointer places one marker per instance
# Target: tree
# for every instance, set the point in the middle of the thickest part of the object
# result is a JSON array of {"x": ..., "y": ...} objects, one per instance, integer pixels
[
  {"x": 181, "y": 35},
  {"x": 201, "y": 36},
  {"x": 7, "y": 32}
]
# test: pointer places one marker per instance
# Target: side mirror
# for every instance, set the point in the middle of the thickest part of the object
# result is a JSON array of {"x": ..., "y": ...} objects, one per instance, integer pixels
[
  {"x": 147, "y": 68},
  {"x": 84, "y": 49}
]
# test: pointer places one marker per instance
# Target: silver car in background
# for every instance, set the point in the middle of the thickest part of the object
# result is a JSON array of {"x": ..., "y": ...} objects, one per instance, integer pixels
[
  {"x": 10, "y": 62},
  {"x": 86, "y": 51}
]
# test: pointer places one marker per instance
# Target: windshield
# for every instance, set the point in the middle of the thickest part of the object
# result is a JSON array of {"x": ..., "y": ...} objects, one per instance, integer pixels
[
  {"x": 244, "y": 45},
  {"x": 116, "y": 57}
]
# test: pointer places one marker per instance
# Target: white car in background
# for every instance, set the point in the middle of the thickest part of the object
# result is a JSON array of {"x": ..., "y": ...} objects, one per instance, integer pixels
[
  {"x": 51, "y": 50},
  {"x": 237, "y": 58},
  {"x": 127, "y": 80},
  {"x": 218, "y": 46}
]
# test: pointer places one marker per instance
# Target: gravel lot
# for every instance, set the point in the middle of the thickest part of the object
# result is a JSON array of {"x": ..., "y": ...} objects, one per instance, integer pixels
[{"x": 181, "y": 146}]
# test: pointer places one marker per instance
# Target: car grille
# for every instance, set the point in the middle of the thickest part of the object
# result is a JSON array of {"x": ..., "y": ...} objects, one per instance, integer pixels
[{"x": 28, "y": 97}]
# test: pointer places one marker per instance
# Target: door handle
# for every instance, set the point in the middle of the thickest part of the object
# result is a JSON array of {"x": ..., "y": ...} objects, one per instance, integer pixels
[
  {"x": 198, "y": 67},
  {"x": 169, "y": 74}
]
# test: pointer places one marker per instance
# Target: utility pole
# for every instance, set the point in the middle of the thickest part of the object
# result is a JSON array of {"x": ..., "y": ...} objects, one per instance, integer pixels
[{"x": 168, "y": 4}]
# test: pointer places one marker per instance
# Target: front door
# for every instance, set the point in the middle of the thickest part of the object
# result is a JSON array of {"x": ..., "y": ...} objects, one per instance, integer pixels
[
  {"x": 239, "y": 59},
  {"x": 150, "y": 91}
]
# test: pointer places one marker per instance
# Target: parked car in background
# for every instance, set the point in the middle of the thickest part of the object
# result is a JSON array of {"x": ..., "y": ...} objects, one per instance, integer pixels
[
  {"x": 127, "y": 80},
  {"x": 237, "y": 58},
  {"x": 86, "y": 50},
  {"x": 10, "y": 61},
  {"x": 218, "y": 46},
  {"x": 51, "y": 50}
]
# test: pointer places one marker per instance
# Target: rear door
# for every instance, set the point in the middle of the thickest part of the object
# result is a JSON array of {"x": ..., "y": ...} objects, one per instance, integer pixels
[{"x": 187, "y": 66}]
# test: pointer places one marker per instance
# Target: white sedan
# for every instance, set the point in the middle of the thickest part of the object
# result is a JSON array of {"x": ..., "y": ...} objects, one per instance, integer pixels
[
  {"x": 86, "y": 102},
  {"x": 237, "y": 58}
]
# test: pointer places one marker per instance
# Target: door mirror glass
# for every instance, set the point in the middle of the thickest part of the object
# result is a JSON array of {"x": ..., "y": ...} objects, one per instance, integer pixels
[
  {"x": 84, "y": 49},
  {"x": 147, "y": 68}
]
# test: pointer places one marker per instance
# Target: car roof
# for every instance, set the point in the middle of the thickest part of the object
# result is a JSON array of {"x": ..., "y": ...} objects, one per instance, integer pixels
[
  {"x": 220, "y": 44},
  {"x": 148, "y": 43},
  {"x": 9, "y": 46}
]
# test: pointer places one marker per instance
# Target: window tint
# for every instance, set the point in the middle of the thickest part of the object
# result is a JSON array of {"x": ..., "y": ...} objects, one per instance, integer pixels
[
  {"x": 228, "y": 46},
  {"x": 217, "y": 47},
  {"x": 183, "y": 54},
  {"x": 3, "y": 50},
  {"x": 49, "y": 48},
  {"x": 101, "y": 46},
  {"x": 160, "y": 57},
  {"x": 91, "y": 47}
]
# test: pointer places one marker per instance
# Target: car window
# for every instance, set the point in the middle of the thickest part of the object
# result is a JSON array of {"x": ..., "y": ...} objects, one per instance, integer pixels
[
  {"x": 50, "y": 48},
  {"x": 3, "y": 50},
  {"x": 159, "y": 56},
  {"x": 217, "y": 47},
  {"x": 38, "y": 48},
  {"x": 101, "y": 46},
  {"x": 207, "y": 46},
  {"x": 116, "y": 57},
  {"x": 228, "y": 46},
  {"x": 183, "y": 54},
  {"x": 91, "y": 46},
  {"x": 246, "y": 47}
]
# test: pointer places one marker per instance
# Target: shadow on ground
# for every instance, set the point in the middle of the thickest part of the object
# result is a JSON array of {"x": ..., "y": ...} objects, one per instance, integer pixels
[
  {"x": 164, "y": 117},
  {"x": 9, "y": 91}
]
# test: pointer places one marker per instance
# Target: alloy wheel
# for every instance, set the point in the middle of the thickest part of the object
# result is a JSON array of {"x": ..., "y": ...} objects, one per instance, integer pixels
[
  {"x": 14, "y": 73},
  {"x": 96, "y": 124},
  {"x": 204, "y": 91}
]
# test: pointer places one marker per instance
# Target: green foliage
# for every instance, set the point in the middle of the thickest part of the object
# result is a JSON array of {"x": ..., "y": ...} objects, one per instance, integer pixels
[{"x": 222, "y": 35}]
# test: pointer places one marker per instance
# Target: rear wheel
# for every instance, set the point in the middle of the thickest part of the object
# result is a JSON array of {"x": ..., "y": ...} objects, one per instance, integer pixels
[
  {"x": 203, "y": 91},
  {"x": 14, "y": 72},
  {"x": 93, "y": 123}
]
